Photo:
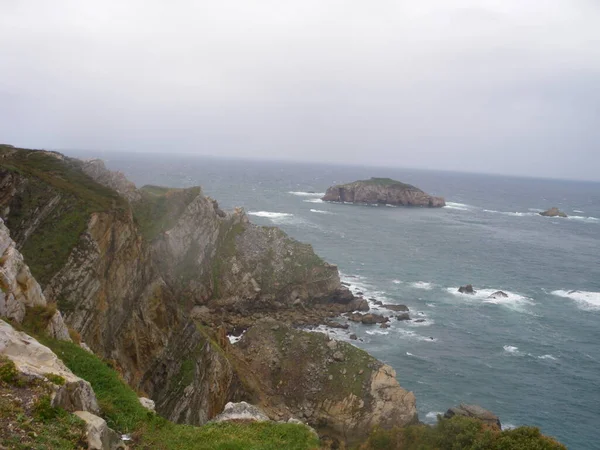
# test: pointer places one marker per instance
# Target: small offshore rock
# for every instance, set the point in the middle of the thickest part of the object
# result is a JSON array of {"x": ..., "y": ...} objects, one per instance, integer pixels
[
  {"x": 498, "y": 294},
  {"x": 468, "y": 289},
  {"x": 553, "y": 212},
  {"x": 397, "y": 308},
  {"x": 353, "y": 337},
  {"x": 403, "y": 316}
]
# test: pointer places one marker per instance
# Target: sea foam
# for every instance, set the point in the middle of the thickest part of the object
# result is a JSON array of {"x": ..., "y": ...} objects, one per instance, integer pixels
[
  {"x": 314, "y": 200},
  {"x": 422, "y": 285},
  {"x": 458, "y": 206},
  {"x": 513, "y": 301},
  {"x": 584, "y": 299},
  {"x": 307, "y": 194},
  {"x": 320, "y": 211}
]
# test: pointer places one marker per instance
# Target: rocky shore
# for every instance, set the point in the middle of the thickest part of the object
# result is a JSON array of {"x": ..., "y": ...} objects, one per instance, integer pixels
[{"x": 381, "y": 191}]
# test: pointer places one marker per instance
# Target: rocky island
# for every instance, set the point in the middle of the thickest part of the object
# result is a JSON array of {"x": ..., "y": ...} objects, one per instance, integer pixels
[
  {"x": 116, "y": 304},
  {"x": 553, "y": 212},
  {"x": 382, "y": 191}
]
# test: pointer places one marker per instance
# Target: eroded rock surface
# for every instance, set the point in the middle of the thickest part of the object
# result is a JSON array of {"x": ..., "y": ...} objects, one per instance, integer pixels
[
  {"x": 383, "y": 191},
  {"x": 474, "y": 411}
]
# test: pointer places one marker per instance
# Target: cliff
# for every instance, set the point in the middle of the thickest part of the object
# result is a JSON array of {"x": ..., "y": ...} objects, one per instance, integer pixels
[
  {"x": 153, "y": 278},
  {"x": 381, "y": 191}
]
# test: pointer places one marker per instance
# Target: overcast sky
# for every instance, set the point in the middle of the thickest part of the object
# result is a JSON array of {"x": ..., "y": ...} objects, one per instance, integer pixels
[{"x": 504, "y": 86}]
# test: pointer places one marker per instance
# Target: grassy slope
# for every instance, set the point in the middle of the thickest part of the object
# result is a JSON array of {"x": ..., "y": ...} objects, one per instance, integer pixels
[
  {"x": 386, "y": 182},
  {"x": 48, "y": 248},
  {"x": 124, "y": 413}
]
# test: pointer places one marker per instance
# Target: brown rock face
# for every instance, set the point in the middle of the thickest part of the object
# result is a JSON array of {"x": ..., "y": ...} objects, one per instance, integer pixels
[
  {"x": 474, "y": 411},
  {"x": 382, "y": 191},
  {"x": 335, "y": 387},
  {"x": 553, "y": 212}
]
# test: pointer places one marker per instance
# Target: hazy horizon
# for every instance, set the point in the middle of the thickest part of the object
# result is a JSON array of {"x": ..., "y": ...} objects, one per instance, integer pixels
[{"x": 489, "y": 86}]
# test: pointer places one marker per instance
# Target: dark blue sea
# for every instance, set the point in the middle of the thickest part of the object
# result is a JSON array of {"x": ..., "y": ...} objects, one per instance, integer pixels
[{"x": 532, "y": 358}]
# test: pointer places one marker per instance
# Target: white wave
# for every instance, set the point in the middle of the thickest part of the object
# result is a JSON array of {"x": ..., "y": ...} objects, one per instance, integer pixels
[
  {"x": 269, "y": 215},
  {"x": 390, "y": 206},
  {"x": 514, "y": 214},
  {"x": 358, "y": 284},
  {"x": 578, "y": 211},
  {"x": 320, "y": 211},
  {"x": 536, "y": 210},
  {"x": 586, "y": 300},
  {"x": 459, "y": 206},
  {"x": 508, "y": 426},
  {"x": 511, "y": 349},
  {"x": 547, "y": 357},
  {"x": 409, "y": 354},
  {"x": 307, "y": 194},
  {"x": 422, "y": 285},
  {"x": 409, "y": 334},
  {"x": 432, "y": 415},
  {"x": 584, "y": 219},
  {"x": 513, "y": 301},
  {"x": 396, "y": 281},
  {"x": 425, "y": 323},
  {"x": 431, "y": 305},
  {"x": 314, "y": 200},
  {"x": 373, "y": 332}
]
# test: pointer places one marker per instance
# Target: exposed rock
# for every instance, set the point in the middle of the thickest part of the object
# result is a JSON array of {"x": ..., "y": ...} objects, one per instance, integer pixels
[
  {"x": 384, "y": 325},
  {"x": 97, "y": 170},
  {"x": 99, "y": 435},
  {"x": 147, "y": 403},
  {"x": 19, "y": 290},
  {"x": 367, "y": 319},
  {"x": 498, "y": 294},
  {"x": 353, "y": 337},
  {"x": 476, "y": 412},
  {"x": 383, "y": 191},
  {"x": 419, "y": 321},
  {"x": 299, "y": 422},
  {"x": 241, "y": 411},
  {"x": 402, "y": 308},
  {"x": 553, "y": 212},
  {"x": 468, "y": 289},
  {"x": 35, "y": 360},
  {"x": 403, "y": 316},
  {"x": 343, "y": 397}
]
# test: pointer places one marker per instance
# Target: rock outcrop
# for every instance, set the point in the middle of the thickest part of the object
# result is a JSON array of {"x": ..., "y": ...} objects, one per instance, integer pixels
[
  {"x": 381, "y": 191},
  {"x": 19, "y": 290},
  {"x": 241, "y": 411},
  {"x": 335, "y": 387},
  {"x": 474, "y": 411},
  {"x": 36, "y": 361},
  {"x": 99, "y": 435},
  {"x": 468, "y": 289},
  {"x": 498, "y": 294},
  {"x": 553, "y": 212}
]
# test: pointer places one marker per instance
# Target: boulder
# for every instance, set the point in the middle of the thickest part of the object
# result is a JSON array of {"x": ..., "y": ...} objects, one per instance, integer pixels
[
  {"x": 468, "y": 289},
  {"x": 359, "y": 304},
  {"x": 553, "y": 212},
  {"x": 35, "y": 360},
  {"x": 370, "y": 319},
  {"x": 403, "y": 316},
  {"x": 498, "y": 294},
  {"x": 241, "y": 411},
  {"x": 99, "y": 435},
  {"x": 402, "y": 308},
  {"x": 354, "y": 337},
  {"x": 474, "y": 411},
  {"x": 147, "y": 403}
]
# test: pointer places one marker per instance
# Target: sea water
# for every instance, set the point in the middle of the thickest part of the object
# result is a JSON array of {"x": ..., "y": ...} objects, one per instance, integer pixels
[{"x": 533, "y": 358}]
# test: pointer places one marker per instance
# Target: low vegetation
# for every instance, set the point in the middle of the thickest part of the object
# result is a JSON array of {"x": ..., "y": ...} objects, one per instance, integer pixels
[
  {"x": 123, "y": 412},
  {"x": 460, "y": 433},
  {"x": 386, "y": 182}
]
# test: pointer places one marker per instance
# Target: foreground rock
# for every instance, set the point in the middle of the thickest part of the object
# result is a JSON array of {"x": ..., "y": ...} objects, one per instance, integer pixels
[
  {"x": 99, "y": 435},
  {"x": 474, "y": 411},
  {"x": 468, "y": 289},
  {"x": 36, "y": 361},
  {"x": 382, "y": 191},
  {"x": 553, "y": 212},
  {"x": 335, "y": 387}
]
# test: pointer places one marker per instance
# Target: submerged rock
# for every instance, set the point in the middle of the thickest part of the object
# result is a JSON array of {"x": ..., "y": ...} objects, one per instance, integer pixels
[
  {"x": 474, "y": 411},
  {"x": 498, "y": 294},
  {"x": 553, "y": 212},
  {"x": 402, "y": 308},
  {"x": 382, "y": 191}
]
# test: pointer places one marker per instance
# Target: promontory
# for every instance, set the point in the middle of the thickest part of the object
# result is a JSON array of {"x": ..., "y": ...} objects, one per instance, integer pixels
[{"x": 382, "y": 191}]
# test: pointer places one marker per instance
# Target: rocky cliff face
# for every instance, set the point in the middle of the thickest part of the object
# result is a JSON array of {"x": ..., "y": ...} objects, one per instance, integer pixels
[
  {"x": 153, "y": 278},
  {"x": 382, "y": 191}
]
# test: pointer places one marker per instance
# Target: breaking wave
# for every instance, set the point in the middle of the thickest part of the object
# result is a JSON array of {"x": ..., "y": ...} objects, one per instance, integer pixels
[
  {"x": 307, "y": 194},
  {"x": 513, "y": 301},
  {"x": 584, "y": 299},
  {"x": 458, "y": 206},
  {"x": 314, "y": 200},
  {"x": 422, "y": 285},
  {"x": 320, "y": 211}
]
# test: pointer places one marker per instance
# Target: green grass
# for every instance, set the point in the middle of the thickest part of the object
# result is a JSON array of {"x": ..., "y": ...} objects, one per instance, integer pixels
[
  {"x": 75, "y": 195},
  {"x": 123, "y": 412},
  {"x": 386, "y": 182},
  {"x": 160, "y": 208}
]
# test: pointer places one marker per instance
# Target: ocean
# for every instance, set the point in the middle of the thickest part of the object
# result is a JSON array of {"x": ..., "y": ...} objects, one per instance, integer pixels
[{"x": 532, "y": 358}]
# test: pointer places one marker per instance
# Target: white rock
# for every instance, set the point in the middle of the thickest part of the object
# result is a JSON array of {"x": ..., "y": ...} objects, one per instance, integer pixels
[
  {"x": 99, "y": 435},
  {"x": 241, "y": 411},
  {"x": 148, "y": 403}
]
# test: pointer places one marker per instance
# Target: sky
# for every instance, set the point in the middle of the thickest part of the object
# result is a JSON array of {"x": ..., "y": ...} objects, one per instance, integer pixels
[{"x": 493, "y": 86}]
